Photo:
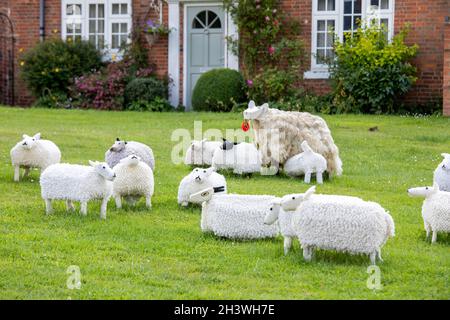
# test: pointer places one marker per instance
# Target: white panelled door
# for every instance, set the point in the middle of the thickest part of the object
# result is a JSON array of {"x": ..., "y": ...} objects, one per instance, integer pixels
[{"x": 205, "y": 43}]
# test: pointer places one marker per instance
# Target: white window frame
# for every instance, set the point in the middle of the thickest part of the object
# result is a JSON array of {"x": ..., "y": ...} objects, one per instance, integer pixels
[
  {"x": 320, "y": 71},
  {"x": 108, "y": 52}
]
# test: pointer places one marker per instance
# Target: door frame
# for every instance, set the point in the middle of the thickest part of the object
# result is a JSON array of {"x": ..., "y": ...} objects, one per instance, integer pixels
[{"x": 227, "y": 21}]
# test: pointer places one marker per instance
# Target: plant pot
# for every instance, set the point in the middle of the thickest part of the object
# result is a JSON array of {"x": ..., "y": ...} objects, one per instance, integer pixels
[{"x": 151, "y": 38}]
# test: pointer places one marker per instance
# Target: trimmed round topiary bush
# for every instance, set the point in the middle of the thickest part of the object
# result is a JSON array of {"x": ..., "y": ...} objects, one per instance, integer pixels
[
  {"x": 218, "y": 90},
  {"x": 53, "y": 65},
  {"x": 145, "y": 90}
]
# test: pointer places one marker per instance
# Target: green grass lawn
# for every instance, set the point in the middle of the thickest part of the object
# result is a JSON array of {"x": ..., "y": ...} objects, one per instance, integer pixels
[{"x": 162, "y": 253}]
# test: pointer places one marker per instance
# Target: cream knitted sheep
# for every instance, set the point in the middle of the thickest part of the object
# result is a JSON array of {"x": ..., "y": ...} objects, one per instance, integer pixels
[
  {"x": 200, "y": 179},
  {"x": 306, "y": 163},
  {"x": 340, "y": 223},
  {"x": 277, "y": 135},
  {"x": 235, "y": 216},
  {"x": 435, "y": 209},
  {"x": 200, "y": 153},
  {"x": 134, "y": 179},
  {"x": 33, "y": 152},
  {"x": 71, "y": 182},
  {"x": 442, "y": 173}
]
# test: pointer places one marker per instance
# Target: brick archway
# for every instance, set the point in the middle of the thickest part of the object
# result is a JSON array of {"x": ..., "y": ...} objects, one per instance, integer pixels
[{"x": 6, "y": 60}]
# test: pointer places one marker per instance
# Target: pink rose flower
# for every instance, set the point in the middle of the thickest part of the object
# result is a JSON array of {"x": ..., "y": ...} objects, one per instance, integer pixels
[{"x": 271, "y": 50}]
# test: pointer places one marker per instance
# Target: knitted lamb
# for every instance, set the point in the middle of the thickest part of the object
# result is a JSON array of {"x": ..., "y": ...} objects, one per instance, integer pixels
[
  {"x": 435, "y": 209},
  {"x": 442, "y": 173},
  {"x": 122, "y": 149},
  {"x": 306, "y": 163}
]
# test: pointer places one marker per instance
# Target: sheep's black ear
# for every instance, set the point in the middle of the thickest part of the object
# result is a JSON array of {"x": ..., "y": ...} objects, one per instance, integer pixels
[
  {"x": 224, "y": 139},
  {"x": 126, "y": 142},
  {"x": 235, "y": 143},
  {"x": 117, "y": 139}
]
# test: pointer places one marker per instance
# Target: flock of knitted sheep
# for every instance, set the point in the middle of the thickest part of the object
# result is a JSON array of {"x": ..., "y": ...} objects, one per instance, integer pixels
[{"x": 304, "y": 147}]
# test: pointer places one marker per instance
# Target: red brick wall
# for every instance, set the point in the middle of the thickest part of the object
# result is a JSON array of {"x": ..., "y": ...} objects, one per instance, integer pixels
[
  {"x": 427, "y": 30},
  {"x": 446, "y": 86}
]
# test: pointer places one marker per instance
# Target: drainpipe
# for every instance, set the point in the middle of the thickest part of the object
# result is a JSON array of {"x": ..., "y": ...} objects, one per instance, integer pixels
[{"x": 42, "y": 20}]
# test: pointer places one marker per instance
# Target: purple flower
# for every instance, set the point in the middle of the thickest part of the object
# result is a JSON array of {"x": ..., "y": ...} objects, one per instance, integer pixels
[
  {"x": 250, "y": 83},
  {"x": 267, "y": 18},
  {"x": 150, "y": 23}
]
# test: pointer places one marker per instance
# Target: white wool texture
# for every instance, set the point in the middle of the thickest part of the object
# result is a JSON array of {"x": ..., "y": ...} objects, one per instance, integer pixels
[
  {"x": 436, "y": 211},
  {"x": 307, "y": 161},
  {"x": 73, "y": 182},
  {"x": 200, "y": 153},
  {"x": 285, "y": 223},
  {"x": 133, "y": 180},
  {"x": 112, "y": 158},
  {"x": 442, "y": 174},
  {"x": 188, "y": 185},
  {"x": 342, "y": 223},
  {"x": 43, "y": 154},
  {"x": 237, "y": 216},
  {"x": 293, "y": 128},
  {"x": 242, "y": 158}
]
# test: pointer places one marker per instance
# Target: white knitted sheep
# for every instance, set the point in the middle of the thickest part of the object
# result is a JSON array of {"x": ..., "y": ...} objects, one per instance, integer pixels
[
  {"x": 340, "y": 223},
  {"x": 242, "y": 158},
  {"x": 71, "y": 182},
  {"x": 306, "y": 163},
  {"x": 442, "y": 173},
  {"x": 277, "y": 135},
  {"x": 435, "y": 209},
  {"x": 200, "y": 179},
  {"x": 33, "y": 152},
  {"x": 134, "y": 179},
  {"x": 122, "y": 149},
  {"x": 200, "y": 153},
  {"x": 235, "y": 216},
  {"x": 284, "y": 218}
]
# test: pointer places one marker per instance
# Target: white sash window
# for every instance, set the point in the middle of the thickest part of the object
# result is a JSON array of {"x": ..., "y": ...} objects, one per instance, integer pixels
[
  {"x": 334, "y": 18},
  {"x": 105, "y": 23}
]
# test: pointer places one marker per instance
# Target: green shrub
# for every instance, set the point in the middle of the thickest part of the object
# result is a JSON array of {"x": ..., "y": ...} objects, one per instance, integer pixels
[
  {"x": 52, "y": 101},
  {"x": 370, "y": 72},
  {"x": 157, "y": 105},
  {"x": 218, "y": 90},
  {"x": 145, "y": 90},
  {"x": 271, "y": 85},
  {"x": 53, "y": 65}
]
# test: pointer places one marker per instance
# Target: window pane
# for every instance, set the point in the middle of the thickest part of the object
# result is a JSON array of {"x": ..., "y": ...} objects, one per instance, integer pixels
[
  {"x": 216, "y": 24},
  {"x": 77, "y": 38},
  {"x": 123, "y": 39},
  {"x": 357, "y": 6},
  {"x": 77, "y": 27},
  {"x": 321, "y": 25},
  {"x": 374, "y": 2},
  {"x": 330, "y": 40},
  {"x": 115, "y": 8},
  {"x": 92, "y": 11},
  {"x": 320, "y": 56},
  {"x": 331, "y": 5},
  {"x": 101, "y": 11},
  {"x": 92, "y": 26},
  {"x": 330, "y": 54},
  {"x": 115, "y": 27},
  {"x": 92, "y": 39},
  {"x": 123, "y": 28},
  {"x": 69, "y": 28},
  {"x": 101, "y": 26},
  {"x": 321, "y": 5},
  {"x": 115, "y": 41},
  {"x": 101, "y": 42},
  {"x": 384, "y": 4},
  {"x": 320, "y": 39},
  {"x": 123, "y": 8},
  {"x": 196, "y": 24},
  {"x": 347, "y": 22},
  {"x": 69, "y": 10},
  {"x": 202, "y": 17},
  {"x": 348, "y": 6},
  {"x": 356, "y": 22},
  {"x": 330, "y": 25}
]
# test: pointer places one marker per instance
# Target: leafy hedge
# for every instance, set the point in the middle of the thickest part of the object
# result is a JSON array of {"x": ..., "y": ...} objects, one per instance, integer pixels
[
  {"x": 218, "y": 90},
  {"x": 370, "y": 72},
  {"x": 53, "y": 65}
]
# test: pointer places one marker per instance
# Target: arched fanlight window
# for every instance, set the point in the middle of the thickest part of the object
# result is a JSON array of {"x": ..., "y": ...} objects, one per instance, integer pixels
[{"x": 206, "y": 20}]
